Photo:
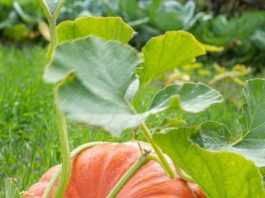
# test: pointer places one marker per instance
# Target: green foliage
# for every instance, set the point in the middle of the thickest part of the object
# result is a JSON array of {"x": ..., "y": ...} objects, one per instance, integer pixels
[
  {"x": 250, "y": 143},
  {"x": 100, "y": 84},
  {"x": 180, "y": 96},
  {"x": 164, "y": 53},
  {"x": 109, "y": 28},
  {"x": 220, "y": 174},
  {"x": 99, "y": 79},
  {"x": 172, "y": 15},
  {"x": 258, "y": 39},
  {"x": 17, "y": 32},
  {"x": 221, "y": 31},
  {"x": 241, "y": 36},
  {"x": 18, "y": 19},
  {"x": 149, "y": 18}
]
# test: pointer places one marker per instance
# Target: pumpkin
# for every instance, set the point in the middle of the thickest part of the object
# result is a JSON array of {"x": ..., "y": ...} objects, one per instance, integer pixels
[{"x": 95, "y": 172}]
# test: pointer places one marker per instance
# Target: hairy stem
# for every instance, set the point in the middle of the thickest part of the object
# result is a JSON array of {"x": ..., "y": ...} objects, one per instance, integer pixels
[
  {"x": 65, "y": 153},
  {"x": 139, "y": 22},
  {"x": 127, "y": 176},
  {"x": 74, "y": 153},
  {"x": 163, "y": 161},
  {"x": 58, "y": 9},
  {"x": 61, "y": 121},
  {"x": 144, "y": 159},
  {"x": 53, "y": 33},
  {"x": 45, "y": 9},
  {"x": 148, "y": 136}
]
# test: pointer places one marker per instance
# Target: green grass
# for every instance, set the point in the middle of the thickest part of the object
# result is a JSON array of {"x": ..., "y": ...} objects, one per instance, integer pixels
[{"x": 28, "y": 136}]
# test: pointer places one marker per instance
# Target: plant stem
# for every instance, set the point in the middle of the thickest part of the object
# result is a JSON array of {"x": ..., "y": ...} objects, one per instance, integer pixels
[
  {"x": 127, "y": 176},
  {"x": 184, "y": 175},
  {"x": 53, "y": 33},
  {"x": 58, "y": 9},
  {"x": 148, "y": 136},
  {"x": 45, "y": 9},
  {"x": 164, "y": 162},
  {"x": 139, "y": 22},
  {"x": 144, "y": 159},
  {"x": 61, "y": 121},
  {"x": 65, "y": 153},
  {"x": 52, "y": 182},
  {"x": 74, "y": 153}
]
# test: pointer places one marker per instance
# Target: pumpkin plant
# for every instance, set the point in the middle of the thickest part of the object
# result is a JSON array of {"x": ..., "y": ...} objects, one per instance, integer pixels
[{"x": 97, "y": 76}]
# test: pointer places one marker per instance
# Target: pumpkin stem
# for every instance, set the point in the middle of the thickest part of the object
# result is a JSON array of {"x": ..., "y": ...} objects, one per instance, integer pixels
[
  {"x": 184, "y": 175},
  {"x": 65, "y": 153},
  {"x": 53, "y": 33},
  {"x": 61, "y": 120},
  {"x": 74, "y": 153},
  {"x": 161, "y": 156},
  {"x": 163, "y": 161},
  {"x": 128, "y": 175}
]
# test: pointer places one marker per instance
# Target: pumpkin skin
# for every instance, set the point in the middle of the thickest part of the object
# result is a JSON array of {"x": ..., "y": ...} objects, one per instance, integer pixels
[{"x": 97, "y": 170}]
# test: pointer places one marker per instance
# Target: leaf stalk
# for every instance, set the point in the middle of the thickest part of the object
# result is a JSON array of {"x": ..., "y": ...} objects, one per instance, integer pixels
[
  {"x": 128, "y": 175},
  {"x": 65, "y": 153},
  {"x": 163, "y": 161},
  {"x": 53, "y": 33}
]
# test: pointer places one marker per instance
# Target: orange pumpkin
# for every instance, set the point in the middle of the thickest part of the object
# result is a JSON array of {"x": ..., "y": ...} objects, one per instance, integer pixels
[{"x": 95, "y": 172}]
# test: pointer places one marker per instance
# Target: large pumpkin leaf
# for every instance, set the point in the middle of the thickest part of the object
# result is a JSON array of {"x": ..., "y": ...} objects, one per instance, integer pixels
[
  {"x": 251, "y": 143},
  {"x": 108, "y": 28},
  {"x": 101, "y": 73},
  {"x": 97, "y": 85},
  {"x": 253, "y": 120},
  {"x": 169, "y": 51},
  {"x": 192, "y": 98},
  {"x": 220, "y": 174}
]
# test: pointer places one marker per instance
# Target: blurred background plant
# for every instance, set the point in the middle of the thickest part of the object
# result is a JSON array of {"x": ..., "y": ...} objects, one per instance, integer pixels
[
  {"x": 237, "y": 25},
  {"x": 19, "y": 20}
]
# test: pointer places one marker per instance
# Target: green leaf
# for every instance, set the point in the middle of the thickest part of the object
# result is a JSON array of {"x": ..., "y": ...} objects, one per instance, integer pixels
[
  {"x": 100, "y": 74},
  {"x": 191, "y": 97},
  {"x": 169, "y": 51},
  {"x": 220, "y": 174},
  {"x": 253, "y": 120},
  {"x": 108, "y": 28},
  {"x": 132, "y": 90},
  {"x": 213, "y": 136},
  {"x": 216, "y": 137},
  {"x": 251, "y": 143},
  {"x": 98, "y": 82}
]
